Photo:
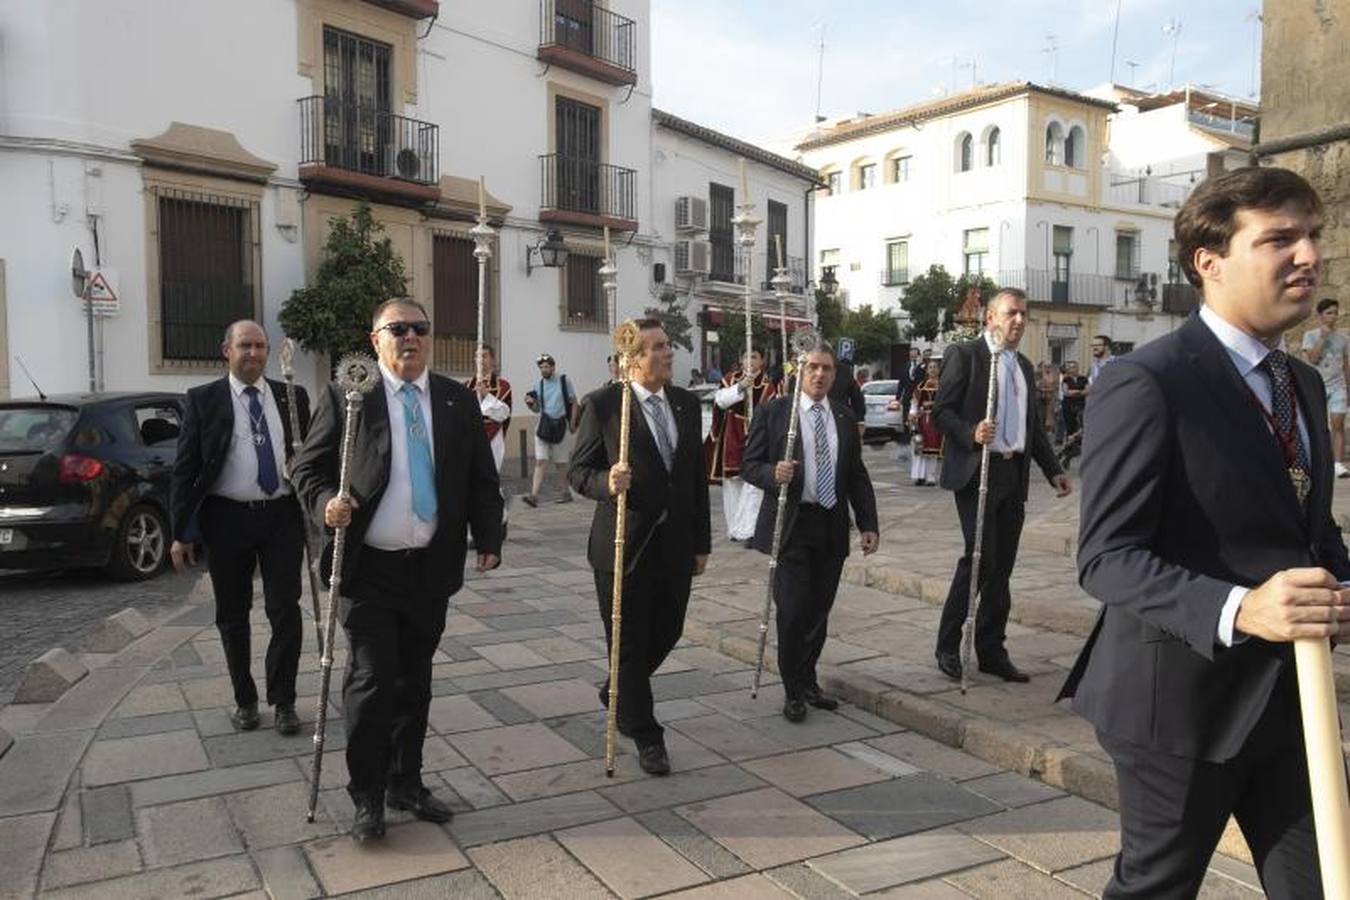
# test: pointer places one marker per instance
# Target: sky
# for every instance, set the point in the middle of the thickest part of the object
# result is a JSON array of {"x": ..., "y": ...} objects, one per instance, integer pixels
[{"x": 749, "y": 67}]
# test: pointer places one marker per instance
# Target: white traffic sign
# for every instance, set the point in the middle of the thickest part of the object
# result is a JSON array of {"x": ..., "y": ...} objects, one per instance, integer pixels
[{"x": 104, "y": 289}]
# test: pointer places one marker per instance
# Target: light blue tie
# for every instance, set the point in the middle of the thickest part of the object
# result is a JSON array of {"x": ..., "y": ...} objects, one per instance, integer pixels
[
  {"x": 1007, "y": 402},
  {"x": 824, "y": 472},
  {"x": 421, "y": 467}
]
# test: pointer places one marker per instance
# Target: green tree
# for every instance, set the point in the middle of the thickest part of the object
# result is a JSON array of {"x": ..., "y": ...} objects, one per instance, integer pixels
[
  {"x": 984, "y": 283},
  {"x": 874, "y": 331},
  {"x": 930, "y": 300},
  {"x": 359, "y": 271},
  {"x": 673, "y": 319},
  {"x": 829, "y": 316},
  {"x": 731, "y": 337}
]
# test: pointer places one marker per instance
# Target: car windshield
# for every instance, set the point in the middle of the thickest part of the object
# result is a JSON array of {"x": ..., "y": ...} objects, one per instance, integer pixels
[
  {"x": 34, "y": 429},
  {"x": 879, "y": 387}
]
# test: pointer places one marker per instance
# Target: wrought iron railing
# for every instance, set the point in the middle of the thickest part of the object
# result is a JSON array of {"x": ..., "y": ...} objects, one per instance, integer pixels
[
  {"x": 573, "y": 184},
  {"x": 589, "y": 28},
  {"x": 796, "y": 270},
  {"x": 1053, "y": 287},
  {"x": 894, "y": 277},
  {"x": 361, "y": 138}
]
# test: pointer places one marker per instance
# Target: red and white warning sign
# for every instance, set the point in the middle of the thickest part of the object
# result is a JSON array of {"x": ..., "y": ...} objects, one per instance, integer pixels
[{"x": 104, "y": 291}]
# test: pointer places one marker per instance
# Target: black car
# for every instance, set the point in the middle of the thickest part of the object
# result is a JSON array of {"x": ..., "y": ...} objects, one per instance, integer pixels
[{"x": 84, "y": 481}]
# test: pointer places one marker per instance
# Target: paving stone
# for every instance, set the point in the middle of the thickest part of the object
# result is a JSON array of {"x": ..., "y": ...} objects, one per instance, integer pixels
[
  {"x": 437, "y": 754},
  {"x": 1012, "y": 790},
  {"x": 286, "y": 874},
  {"x": 748, "y": 887},
  {"x": 503, "y": 708},
  {"x": 212, "y": 722},
  {"x": 106, "y": 814},
  {"x": 1090, "y": 878},
  {"x": 903, "y": 860},
  {"x": 201, "y": 881},
  {"x": 692, "y": 844},
  {"x": 550, "y": 699},
  {"x": 153, "y": 724},
  {"x": 802, "y": 881},
  {"x": 873, "y": 757},
  {"x": 270, "y": 816},
  {"x": 204, "y": 693},
  {"x": 583, "y": 775},
  {"x": 728, "y": 737},
  {"x": 536, "y": 868},
  {"x": 1052, "y": 836},
  {"x": 902, "y": 806},
  {"x": 738, "y": 704},
  {"x": 1011, "y": 880},
  {"x": 185, "y": 832},
  {"x": 69, "y": 830},
  {"x": 150, "y": 699},
  {"x": 681, "y": 787},
  {"x": 548, "y": 619},
  {"x": 630, "y": 860},
  {"x": 500, "y": 823},
  {"x": 474, "y": 788},
  {"x": 49, "y": 676},
  {"x": 22, "y": 842},
  {"x": 148, "y": 756},
  {"x": 117, "y": 631},
  {"x": 239, "y": 748},
  {"x": 490, "y": 636},
  {"x": 819, "y": 729},
  {"x": 85, "y": 864},
  {"x": 212, "y": 782},
  {"x": 514, "y": 748},
  {"x": 922, "y": 890},
  {"x": 767, "y": 827},
  {"x": 458, "y": 713},
  {"x": 553, "y": 672},
  {"x": 512, "y": 656},
  {"x": 465, "y": 884},
  {"x": 872, "y": 721},
  {"x": 685, "y": 684},
  {"x": 560, "y": 649},
  {"x": 814, "y": 771},
  {"x": 932, "y": 756}
]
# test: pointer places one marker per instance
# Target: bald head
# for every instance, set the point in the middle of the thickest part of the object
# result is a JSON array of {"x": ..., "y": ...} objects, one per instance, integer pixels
[{"x": 245, "y": 350}]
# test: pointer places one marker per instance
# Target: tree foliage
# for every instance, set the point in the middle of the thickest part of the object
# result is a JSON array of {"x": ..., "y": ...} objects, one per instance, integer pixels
[
  {"x": 359, "y": 271},
  {"x": 676, "y": 323},
  {"x": 731, "y": 337},
  {"x": 874, "y": 331},
  {"x": 930, "y": 300}
]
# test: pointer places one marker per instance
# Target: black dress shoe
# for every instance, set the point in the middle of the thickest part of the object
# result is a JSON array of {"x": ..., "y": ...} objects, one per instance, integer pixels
[
  {"x": 245, "y": 718},
  {"x": 794, "y": 709},
  {"x": 949, "y": 664},
  {"x": 368, "y": 824},
  {"x": 420, "y": 803},
  {"x": 1005, "y": 669},
  {"x": 285, "y": 720},
  {"x": 820, "y": 700},
  {"x": 654, "y": 760}
]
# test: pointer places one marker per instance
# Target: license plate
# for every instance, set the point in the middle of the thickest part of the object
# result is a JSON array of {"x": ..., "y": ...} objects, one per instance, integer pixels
[{"x": 6, "y": 536}]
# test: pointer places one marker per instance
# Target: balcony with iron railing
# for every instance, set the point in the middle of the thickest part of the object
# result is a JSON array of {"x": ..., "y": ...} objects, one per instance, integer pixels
[
  {"x": 1123, "y": 189},
  {"x": 585, "y": 37},
  {"x": 1071, "y": 289},
  {"x": 796, "y": 270},
  {"x": 578, "y": 191},
  {"x": 894, "y": 277},
  {"x": 359, "y": 149}
]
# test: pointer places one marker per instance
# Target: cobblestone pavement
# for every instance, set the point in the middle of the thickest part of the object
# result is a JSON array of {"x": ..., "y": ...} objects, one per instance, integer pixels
[{"x": 133, "y": 784}]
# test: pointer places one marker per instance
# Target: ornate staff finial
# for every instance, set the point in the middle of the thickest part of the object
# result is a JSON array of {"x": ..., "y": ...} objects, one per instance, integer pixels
[
  {"x": 357, "y": 372},
  {"x": 286, "y": 357},
  {"x": 804, "y": 340},
  {"x": 627, "y": 337}
]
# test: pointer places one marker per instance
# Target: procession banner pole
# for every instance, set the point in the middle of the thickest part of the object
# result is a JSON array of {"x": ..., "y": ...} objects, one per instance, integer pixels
[
  {"x": 782, "y": 285},
  {"x": 287, "y": 357},
  {"x": 747, "y": 223},
  {"x": 627, "y": 340},
  {"x": 482, "y": 234},
  {"x": 1326, "y": 763}
]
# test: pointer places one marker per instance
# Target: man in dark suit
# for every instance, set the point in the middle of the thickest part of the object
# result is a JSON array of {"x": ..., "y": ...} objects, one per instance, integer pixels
[
  {"x": 1207, "y": 534},
  {"x": 1015, "y": 436},
  {"x": 421, "y": 471},
  {"x": 667, "y": 535},
  {"x": 229, "y": 489},
  {"x": 910, "y": 378},
  {"x": 825, "y": 471}
]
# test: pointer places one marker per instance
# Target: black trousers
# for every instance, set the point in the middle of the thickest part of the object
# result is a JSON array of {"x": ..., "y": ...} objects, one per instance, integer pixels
[
  {"x": 1003, "y": 517},
  {"x": 655, "y": 598},
  {"x": 1173, "y": 811},
  {"x": 393, "y": 627},
  {"x": 240, "y": 538},
  {"x": 805, "y": 584}
]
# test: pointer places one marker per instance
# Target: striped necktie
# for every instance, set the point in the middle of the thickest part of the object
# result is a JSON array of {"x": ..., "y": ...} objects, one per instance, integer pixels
[{"x": 824, "y": 471}]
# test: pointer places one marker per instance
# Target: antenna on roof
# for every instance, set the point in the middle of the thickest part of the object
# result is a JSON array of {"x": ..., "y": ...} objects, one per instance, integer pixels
[
  {"x": 1052, "y": 48},
  {"x": 41, "y": 396},
  {"x": 820, "y": 73}
]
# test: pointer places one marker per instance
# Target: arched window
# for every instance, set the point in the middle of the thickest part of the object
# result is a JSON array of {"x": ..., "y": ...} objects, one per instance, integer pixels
[
  {"x": 1075, "y": 147},
  {"x": 1054, "y": 144},
  {"x": 965, "y": 152},
  {"x": 992, "y": 150}
]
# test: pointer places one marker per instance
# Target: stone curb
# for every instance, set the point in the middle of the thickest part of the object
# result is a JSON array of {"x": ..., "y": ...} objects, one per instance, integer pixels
[
  {"x": 49, "y": 676},
  {"x": 117, "y": 631}
]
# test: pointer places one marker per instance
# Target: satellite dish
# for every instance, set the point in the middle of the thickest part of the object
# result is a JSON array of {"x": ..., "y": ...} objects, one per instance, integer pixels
[{"x": 408, "y": 163}]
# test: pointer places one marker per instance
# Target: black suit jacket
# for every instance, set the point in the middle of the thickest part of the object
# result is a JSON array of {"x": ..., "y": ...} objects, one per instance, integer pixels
[
  {"x": 765, "y": 449},
  {"x": 910, "y": 378},
  {"x": 963, "y": 391},
  {"x": 1185, "y": 494},
  {"x": 681, "y": 494},
  {"x": 204, "y": 442},
  {"x": 467, "y": 489}
]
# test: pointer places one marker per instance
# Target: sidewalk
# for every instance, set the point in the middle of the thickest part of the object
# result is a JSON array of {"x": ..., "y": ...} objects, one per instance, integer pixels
[{"x": 134, "y": 784}]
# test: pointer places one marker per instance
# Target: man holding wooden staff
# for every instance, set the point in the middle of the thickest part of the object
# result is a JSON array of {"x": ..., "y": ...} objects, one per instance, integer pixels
[
  {"x": 667, "y": 536},
  {"x": 1207, "y": 534}
]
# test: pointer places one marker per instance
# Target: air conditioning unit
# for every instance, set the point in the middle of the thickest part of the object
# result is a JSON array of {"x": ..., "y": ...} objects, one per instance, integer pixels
[
  {"x": 693, "y": 257},
  {"x": 691, "y": 214}
]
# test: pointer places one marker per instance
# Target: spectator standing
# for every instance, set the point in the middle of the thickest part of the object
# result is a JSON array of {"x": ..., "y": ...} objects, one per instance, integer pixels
[
  {"x": 556, "y": 403},
  {"x": 1326, "y": 348}
]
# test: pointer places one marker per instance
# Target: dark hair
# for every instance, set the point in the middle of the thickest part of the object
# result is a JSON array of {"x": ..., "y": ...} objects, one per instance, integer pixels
[
  {"x": 1104, "y": 338},
  {"x": 1324, "y": 305},
  {"x": 1208, "y": 218},
  {"x": 488, "y": 348},
  {"x": 397, "y": 301}
]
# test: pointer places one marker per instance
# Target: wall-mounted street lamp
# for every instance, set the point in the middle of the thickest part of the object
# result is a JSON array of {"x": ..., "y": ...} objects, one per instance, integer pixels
[
  {"x": 551, "y": 249},
  {"x": 829, "y": 285}
]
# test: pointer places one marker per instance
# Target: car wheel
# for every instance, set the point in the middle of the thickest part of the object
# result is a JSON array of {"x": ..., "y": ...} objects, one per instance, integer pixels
[{"x": 141, "y": 545}]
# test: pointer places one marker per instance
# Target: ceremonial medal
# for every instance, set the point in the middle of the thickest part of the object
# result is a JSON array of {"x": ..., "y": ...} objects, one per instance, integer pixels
[
  {"x": 258, "y": 439},
  {"x": 1302, "y": 483}
]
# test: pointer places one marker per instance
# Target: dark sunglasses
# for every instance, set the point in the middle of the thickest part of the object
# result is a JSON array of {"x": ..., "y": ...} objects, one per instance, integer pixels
[{"x": 400, "y": 329}]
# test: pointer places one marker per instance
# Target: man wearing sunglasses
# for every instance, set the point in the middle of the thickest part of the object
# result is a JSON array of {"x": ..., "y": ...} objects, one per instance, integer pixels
[{"x": 421, "y": 474}]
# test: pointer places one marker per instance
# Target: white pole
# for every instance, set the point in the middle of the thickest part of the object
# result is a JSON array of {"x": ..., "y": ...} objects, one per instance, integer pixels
[
  {"x": 747, "y": 223},
  {"x": 482, "y": 251}
]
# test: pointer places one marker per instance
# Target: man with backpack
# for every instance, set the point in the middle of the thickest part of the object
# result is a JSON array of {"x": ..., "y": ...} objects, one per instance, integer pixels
[{"x": 556, "y": 403}]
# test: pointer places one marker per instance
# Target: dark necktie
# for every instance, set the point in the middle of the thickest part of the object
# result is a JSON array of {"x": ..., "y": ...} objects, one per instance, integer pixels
[
  {"x": 662, "y": 434},
  {"x": 1284, "y": 419},
  {"x": 262, "y": 443}
]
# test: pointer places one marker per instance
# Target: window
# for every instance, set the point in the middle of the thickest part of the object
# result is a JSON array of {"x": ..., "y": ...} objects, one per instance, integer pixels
[
  {"x": 1054, "y": 144},
  {"x": 208, "y": 270},
  {"x": 577, "y": 142},
  {"x": 1075, "y": 147},
  {"x": 992, "y": 149},
  {"x": 584, "y": 306},
  {"x": 835, "y": 180},
  {"x": 965, "y": 152},
  {"x": 777, "y": 223},
  {"x": 1063, "y": 249},
  {"x": 829, "y": 258},
  {"x": 1174, "y": 275},
  {"x": 573, "y": 24},
  {"x": 357, "y": 125},
  {"x": 455, "y": 303},
  {"x": 901, "y": 168},
  {"x": 721, "y": 200},
  {"x": 158, "y": 424},
  {"x": 897, "y": 263},
  {"x": 867, "y": 176},
  {"x": 1127, "y": 255},
  {"x": 975, "y": 250}
]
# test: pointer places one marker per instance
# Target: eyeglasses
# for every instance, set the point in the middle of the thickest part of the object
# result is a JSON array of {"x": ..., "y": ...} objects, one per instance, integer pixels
[{"x": 400, "y": 329}]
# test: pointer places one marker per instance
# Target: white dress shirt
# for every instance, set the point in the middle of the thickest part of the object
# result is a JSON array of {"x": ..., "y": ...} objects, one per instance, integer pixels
[
  {"x": 1246, "y": 354},
  {"x": 806, "y": 426},
  {"x": 672, "y": 432},
  {"x": 395, "y": 525},
  {"x": 239, "y": 476},
  {"x": 499, "y": 412},
  {"x": 1002, "y": 360}
]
